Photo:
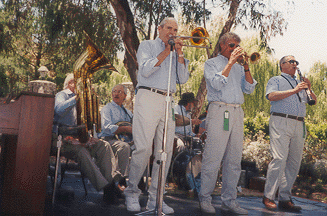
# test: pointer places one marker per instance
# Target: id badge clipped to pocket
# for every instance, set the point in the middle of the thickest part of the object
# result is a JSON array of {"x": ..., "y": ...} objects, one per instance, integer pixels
[{"x": 226, "y": 120}]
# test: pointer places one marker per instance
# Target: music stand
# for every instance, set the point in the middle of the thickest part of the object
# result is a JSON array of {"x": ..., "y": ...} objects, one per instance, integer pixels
[{"x": 163, "y": 157}]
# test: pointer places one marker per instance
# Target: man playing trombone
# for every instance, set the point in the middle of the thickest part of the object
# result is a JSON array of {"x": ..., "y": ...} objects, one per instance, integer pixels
[
  {"x": 226, "y": 83},
  {"x": 149, "y": 110},
  {"x": 287, "y": 132}
]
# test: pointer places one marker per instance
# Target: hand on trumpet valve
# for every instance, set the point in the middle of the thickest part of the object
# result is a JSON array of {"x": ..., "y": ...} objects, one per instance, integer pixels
[
  {"x": 236, "y": 54},
  {"x": 243, "y": 59}
]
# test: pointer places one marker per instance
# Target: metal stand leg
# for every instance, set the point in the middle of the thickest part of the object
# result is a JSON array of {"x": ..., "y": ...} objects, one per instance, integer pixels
[{"x": 59, "y": 142}]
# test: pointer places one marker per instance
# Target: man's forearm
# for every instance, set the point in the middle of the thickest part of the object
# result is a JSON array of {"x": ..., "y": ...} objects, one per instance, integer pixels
[{"x": 280, "y": 95}]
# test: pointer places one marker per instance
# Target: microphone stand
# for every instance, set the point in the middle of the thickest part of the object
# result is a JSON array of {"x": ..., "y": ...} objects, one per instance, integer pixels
[{"x": 163, "y": 157}]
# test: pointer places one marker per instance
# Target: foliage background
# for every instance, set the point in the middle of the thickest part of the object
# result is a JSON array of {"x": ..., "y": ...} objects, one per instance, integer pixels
[{"x": 50, "y": 33}]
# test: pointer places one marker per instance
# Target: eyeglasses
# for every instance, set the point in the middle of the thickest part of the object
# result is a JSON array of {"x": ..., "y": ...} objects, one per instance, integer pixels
[
  {"x": 118, "y": 91},
  {"x": 292, "y": 62}
]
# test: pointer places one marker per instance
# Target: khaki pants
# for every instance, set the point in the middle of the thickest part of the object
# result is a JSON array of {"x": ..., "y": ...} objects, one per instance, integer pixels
[
  {"x": 286, "y": 145},
  {"x": 122, "y": 151},
  {"x": 222, "y": 145},
  {"x": 103, "y": 170},
  {"x": 148, "y": 125}
]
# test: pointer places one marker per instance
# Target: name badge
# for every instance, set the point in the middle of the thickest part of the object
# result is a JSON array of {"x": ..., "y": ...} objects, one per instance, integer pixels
[{"x": 226, "y": 120}]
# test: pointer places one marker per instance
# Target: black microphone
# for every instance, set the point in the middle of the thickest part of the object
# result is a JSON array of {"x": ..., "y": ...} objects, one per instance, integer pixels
[{"x": 171, "y": 42}]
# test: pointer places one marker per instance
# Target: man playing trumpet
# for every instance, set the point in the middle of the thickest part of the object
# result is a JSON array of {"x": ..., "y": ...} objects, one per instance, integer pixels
[{"x": 226, "y": 83}]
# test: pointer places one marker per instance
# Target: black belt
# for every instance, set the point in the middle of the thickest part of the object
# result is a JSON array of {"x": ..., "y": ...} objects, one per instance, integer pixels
[
  {"x": 288, "y": 116},
  {"x": 154, "y": 90}
]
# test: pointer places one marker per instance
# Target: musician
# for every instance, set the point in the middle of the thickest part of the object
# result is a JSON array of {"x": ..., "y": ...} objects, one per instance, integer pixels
[
  {"x": 287, "y": 133},
  {"x": 184, "y": 108},
  {"x": 111, "y": 114},
  {"x": 102, "y": 174},
  {"x": 153, "y": 58},
  {"x": 226, "y": 83}
]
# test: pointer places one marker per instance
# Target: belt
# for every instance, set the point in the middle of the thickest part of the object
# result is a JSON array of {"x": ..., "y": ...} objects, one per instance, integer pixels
[
  {"x": 288, "y": 116},
  {"x": 226, "y": 104},
  {"x": 154, "y": 90}
]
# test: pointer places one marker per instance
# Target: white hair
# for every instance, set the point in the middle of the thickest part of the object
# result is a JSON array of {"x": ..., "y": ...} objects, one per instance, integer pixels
[
  {"x": 165, "y": 20},
  {"x": 124, "y": 87},
  {"x": 69, "y": 77}
]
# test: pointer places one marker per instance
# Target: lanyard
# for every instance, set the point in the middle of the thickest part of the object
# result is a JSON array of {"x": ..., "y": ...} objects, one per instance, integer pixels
[{"x": 293, "y": 87}]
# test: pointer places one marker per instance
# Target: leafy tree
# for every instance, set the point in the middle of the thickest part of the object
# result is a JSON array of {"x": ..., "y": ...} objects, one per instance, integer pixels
[
  {"x": 51, "y": 33},
  {"x": 318, "y": 79}
]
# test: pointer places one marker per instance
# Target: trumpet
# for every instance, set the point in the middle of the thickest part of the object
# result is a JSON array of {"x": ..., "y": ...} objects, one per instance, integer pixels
[
  {"x": 254, "y": 58},
  {"x": 199, "y": 38}
]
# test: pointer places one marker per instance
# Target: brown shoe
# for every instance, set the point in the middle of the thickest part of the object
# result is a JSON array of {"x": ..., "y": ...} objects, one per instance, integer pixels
[
  {"x": 288, "y": 206},
  {"x": 270, "y": 204}
]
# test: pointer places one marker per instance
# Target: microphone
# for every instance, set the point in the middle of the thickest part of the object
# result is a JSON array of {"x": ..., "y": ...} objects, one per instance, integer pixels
[{"x": 171, "y": 42}]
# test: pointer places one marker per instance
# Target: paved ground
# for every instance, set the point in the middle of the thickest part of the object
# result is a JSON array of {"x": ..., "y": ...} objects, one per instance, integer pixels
[{"x": 72, "y": 201}]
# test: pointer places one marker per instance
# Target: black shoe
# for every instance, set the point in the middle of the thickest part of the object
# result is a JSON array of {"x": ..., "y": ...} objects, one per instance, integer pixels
[
  {"x": 110, "y": 194},
  {"x": 142, "y": 186},
  {"x": 122, "y": 182},
  {"x": 288, "y": 206}
]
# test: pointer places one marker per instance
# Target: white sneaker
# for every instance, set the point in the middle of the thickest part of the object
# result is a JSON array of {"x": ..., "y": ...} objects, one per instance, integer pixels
[
  {"x": 151, "y": 205},
  {"x": 235, "y": 208},
  {"x": 207, "y": 207},
  {"x": 133, "y": 204}
]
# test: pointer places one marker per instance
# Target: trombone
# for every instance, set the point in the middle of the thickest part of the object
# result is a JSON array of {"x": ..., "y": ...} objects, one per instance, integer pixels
[{"x": 199, "y": 38}]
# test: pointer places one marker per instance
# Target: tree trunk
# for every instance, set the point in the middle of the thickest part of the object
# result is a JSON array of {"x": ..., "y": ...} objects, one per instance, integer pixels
[
  {"x": 202, "y": 91},
  {"x": 125, "y": 20}
]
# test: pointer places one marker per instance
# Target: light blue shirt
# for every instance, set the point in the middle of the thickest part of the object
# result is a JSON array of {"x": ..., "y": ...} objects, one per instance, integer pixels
[
  {"x": 111, "y": 114},
  {"x": 65, "y": 108},
  {"x": 226, "y": 89},
  {"x": 290, "y": 105},
  {"x": 188, "y": 128},
  {"x": 157, "y": 77}
]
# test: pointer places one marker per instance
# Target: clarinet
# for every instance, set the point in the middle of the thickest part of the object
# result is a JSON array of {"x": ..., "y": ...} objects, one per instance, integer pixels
[{"x": 311, "y": 101}]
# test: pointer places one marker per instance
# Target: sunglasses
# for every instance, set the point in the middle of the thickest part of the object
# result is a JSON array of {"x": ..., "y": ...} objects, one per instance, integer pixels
[
  {"x": 231, "y": 45},
  {"x": 292, "y": 62}
]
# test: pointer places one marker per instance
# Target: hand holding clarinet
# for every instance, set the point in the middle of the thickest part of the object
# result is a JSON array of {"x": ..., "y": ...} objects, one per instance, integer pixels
[{"x": 311, "y": 97}]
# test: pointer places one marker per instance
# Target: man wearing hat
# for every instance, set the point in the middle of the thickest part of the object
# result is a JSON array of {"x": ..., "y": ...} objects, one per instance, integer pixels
[{"x": 184, "y": 108}]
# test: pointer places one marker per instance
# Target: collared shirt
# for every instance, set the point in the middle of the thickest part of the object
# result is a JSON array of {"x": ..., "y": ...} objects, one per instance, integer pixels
[
  {"x": 290, "y": 105},
  {"x": 65, "y": 108},
  {"x": 111, "y": 114},
  {"x": 226, "y": 89},
  {"x": 188, "y": 128},
  {"x": 157, "y": 77}
]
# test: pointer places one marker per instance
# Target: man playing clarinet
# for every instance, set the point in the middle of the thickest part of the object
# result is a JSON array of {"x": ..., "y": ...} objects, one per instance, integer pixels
[{"x": 287, "y": 132}]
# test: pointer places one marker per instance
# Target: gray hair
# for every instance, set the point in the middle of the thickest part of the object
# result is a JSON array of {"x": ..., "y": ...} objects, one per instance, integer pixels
[
  {"x": 124, "y": 87},
  {"x": 228, "y": 36},
  {"x": 165, "y": 20},
  {"x": 283, "y": 60},
  {"x": 69, "y": 77}
]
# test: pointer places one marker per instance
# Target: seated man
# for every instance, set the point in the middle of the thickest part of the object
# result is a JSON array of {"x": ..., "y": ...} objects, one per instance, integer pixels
[
  {"x": 111, "y": 114},
  {"x": 102, "y": 173}
]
